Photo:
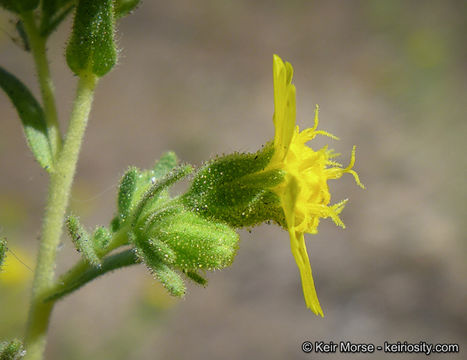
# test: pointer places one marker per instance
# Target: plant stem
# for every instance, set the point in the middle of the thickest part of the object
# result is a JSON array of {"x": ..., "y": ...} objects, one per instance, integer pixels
[
  {"x": 38, "y": 49},
  {"x": 59, "y": 193},
  {"x": 83, "y": 272}
]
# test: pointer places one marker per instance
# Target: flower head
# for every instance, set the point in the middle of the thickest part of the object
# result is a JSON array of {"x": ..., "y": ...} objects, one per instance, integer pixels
[
  {"x": 304, "y": 193},
  {"x": 285, "y": 181}
]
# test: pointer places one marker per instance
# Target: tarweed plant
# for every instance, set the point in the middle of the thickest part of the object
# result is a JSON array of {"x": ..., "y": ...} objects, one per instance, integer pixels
[{"x": 179, "y": 237}]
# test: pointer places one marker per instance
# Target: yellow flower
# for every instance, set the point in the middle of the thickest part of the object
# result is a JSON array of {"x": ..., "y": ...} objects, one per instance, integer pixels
[{"x": 304, "y": 194}]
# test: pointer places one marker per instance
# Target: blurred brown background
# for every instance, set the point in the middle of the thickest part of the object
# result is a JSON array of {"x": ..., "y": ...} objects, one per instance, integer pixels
[{"x": 196, "y": 77}]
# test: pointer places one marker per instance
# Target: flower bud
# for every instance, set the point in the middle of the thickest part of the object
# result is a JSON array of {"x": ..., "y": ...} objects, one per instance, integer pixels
[
  {"x": 197, "y": 243},
  {"x": 92, "y": 45},
  {"x": 177, "y": 239}
]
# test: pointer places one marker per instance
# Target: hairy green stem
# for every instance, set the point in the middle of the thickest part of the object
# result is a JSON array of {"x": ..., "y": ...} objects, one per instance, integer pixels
[
  {"x": 59, "y": 193},
  {"x": 38, "y": 49},
  {"x": 83, "y": 272}
]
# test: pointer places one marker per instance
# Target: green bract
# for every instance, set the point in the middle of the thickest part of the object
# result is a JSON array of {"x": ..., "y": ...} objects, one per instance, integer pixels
[{"x": 92, "y": 45}]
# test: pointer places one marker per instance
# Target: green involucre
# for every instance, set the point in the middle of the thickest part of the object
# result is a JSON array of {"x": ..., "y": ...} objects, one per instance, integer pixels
[
  {"x": 92, "y": 44},
  {"x": 235, "y": 189}
]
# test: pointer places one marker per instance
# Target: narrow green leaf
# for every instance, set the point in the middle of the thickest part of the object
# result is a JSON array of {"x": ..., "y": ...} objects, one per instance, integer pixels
[
  {"x": 31, "y": 115},
  {"x": 197, "y": 278},
  {"x": 115, "y": 224},
  {"x": 51, "y": 7},
  {"x": 170, "y": 279},
  {"x": 19, "y": 6},
  {"x": 22, "y": 34},
  {"x": 82, "y": 241},
  {"x": 125, "y": 193},
  {"x": 92, "y": 44},
  {"x": 163, "y": 272},
  {"x": 124, "y": 7},
  {"x": 54, "y": 12}
]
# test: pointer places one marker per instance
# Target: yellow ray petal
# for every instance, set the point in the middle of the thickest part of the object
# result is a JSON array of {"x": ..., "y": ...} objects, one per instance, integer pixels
[
  {"x": 297, "y": 243},
  {"x": 284, "y": 106},
  {"x": 298, "y": 248}
]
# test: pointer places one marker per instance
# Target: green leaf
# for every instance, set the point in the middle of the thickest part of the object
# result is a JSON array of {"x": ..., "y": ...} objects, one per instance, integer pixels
[
  {"x": 82, "y": 240},
  {"x": 125, "y": 193},
  {"x": 53, "y": 13},
  {"x": 12, "y": 350},
  {"x": 92, "y": 45},
  {"x": 22, "y": 34},
  {"x": 19, "y": 6},
  {"x": 51, "y": 7},
  {"x": 3, "y": 250},
  {"x": 31, "y": 115},
  {"x": 124, "y": 7}
]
